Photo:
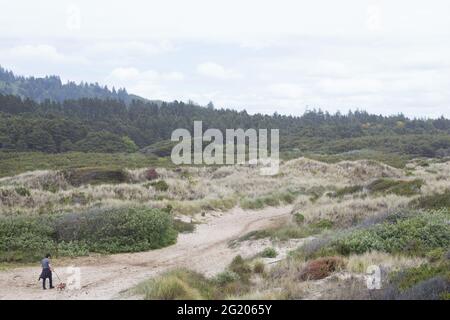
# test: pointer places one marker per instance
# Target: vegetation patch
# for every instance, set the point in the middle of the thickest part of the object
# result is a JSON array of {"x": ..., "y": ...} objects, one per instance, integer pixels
[
  {"x": 320, "y": 268},
  {"x": 269, "y": 253},
  {"x": 415, "y": 235},
  {"x": 179, "y": 284},
  {"x": 27, "y": 238},
  {"x": 398, "y": 187},
  {"x": 78, "y": 177},
  {"x": 273, "y": 200},
  {"x": 288, "y": 231},
  {"x": 159, "y": 185},
  {"x": 183, "y": 284},
  {"x": 183, "y": 226},
  {"x": 408, "y": 278},
  {"x": 299, "y": 219},
  {"x": 434, "y": 201},
  {"x": 339, "y": 193}
]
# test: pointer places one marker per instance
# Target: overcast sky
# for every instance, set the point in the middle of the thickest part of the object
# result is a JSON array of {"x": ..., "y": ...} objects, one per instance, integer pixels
[{"x": 263, "y": 56}]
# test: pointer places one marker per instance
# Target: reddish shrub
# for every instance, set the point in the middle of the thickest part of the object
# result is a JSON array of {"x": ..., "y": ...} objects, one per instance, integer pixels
[
  {"x": 320, "y": 268},
  {"x": 151, "y": 174}
]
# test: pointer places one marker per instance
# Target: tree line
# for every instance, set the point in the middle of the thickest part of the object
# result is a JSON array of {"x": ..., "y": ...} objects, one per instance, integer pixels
[{"x": 113, "y": 125}]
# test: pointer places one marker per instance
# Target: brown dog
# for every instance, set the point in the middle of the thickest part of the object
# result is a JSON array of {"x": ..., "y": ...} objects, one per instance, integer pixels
[{"x": 61, "y": 286}]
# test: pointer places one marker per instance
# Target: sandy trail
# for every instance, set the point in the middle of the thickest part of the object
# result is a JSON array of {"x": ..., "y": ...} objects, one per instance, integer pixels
[{"x": 105, "y": 277}]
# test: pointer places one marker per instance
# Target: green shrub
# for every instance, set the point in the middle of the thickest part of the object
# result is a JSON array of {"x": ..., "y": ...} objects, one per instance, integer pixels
[
  {"x": 415, "y": 235},
  {"x": 259, "y": 267},
  {"x": 436, "y": 254},
  {"x": 104, "y": 231},
  {"x": 226, "y": 277},
  {"x": 273, "y": 200},
  {"x": 269, "y": 253},
  {"x": 299, "y": 218},
  {"x": 183, "y": 227},
  {"x": 322, "y": 224},
  {"x": 117, "y": 230},
  {"x": 78, "y": 177},
  {"x": 160, "y": 185},
  {"x": 22, "y": 191},
  {"x": 410, "y": 277},
  {"x": 434, "y": 201},
  {"x": 25, "y": 238},
  {"x": 174, "y": 285},
  {"x": 398, "y": 187},
  {"x": 346, "y": 190},
  {"x": 241, "y": 268}
]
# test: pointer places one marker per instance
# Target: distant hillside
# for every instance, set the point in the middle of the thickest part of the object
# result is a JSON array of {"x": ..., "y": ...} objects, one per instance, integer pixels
[
  {"x": 51, "y": 88},
  {"x": 106, "y": 125}
]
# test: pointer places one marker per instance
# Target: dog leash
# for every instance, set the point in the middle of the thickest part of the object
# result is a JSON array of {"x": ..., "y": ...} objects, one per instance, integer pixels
[{"x": 57, "y": 275}]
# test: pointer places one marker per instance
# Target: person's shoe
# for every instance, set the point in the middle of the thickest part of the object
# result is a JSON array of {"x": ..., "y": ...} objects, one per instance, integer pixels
[
  {"x": 44, "y": 288},
  {"x": 52, "y": 287}
]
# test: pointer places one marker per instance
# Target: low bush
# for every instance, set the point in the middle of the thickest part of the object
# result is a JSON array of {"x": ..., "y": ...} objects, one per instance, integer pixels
[
  {"x": 269, "y": 253},
  {"x": 22, "y": 191},
  {"x": 78, "y": 177},
  {"x": 322, "y": 224},
  {"x": 151, "y": 174},
  {"x": 416, "y": 235},
  {"x": 226, "y": 277},
  {"x": 289, "y": 231},
  {"x": 102, "y": 231},
  {"x": 398, "y": 187},
  {"x": 434, "y": 201},
  {"x": 299, "y": 219},
  {"x": 344, "y": 191},
  {"x": 241, "y": 268},
  {"x": 407, "y": 279},
  {"x": 436, "y": 288},
  {"x": 160, "y": 185},
  {"x": 320, "y": 268},
  {"x": 272, "y": 200},
  {"x": 259, "y": 267},
  {"x": 174, "y": 285},
  {"x": 183, "y": 227}
]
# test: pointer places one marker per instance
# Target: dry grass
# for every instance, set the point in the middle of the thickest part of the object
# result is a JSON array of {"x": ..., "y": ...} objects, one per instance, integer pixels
[
  {"x": 198, "y": 189},
  {"x": 360, "y": 263}
]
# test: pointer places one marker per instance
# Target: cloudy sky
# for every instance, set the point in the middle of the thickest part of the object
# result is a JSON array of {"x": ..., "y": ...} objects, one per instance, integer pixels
[{"x": 384, "y": 56}]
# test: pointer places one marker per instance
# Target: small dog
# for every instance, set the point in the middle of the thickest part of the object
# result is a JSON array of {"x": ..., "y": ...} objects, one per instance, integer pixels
[{"x": 61, "y": 286}]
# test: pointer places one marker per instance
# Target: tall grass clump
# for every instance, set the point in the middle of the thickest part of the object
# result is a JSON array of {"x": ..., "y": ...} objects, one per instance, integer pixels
[{"x": 178, "y": 284}]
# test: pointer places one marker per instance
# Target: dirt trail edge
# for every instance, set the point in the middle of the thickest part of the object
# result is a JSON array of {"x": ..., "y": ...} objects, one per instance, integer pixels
[{"x": 105, "y": 277}]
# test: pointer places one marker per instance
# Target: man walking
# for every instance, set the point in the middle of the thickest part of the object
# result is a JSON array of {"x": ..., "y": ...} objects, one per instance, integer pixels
[{"x": 46, "y": 271}]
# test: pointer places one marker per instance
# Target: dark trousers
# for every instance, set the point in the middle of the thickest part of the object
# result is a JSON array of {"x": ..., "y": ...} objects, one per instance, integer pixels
[{"x": 46, "y": 273}]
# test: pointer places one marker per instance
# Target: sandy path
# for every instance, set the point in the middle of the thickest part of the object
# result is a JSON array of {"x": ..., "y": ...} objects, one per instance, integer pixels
[{"x": 104, "y": 277}]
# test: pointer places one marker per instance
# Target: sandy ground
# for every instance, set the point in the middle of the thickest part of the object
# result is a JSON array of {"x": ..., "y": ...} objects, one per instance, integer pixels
[{"x": 106, "y": 277}]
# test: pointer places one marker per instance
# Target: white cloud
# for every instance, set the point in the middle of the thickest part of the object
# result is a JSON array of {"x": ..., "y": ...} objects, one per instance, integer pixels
[
  {"x": 287, "y": 90},
  {"x": 214, "y": 70},
  {"x": 39, "y": 53},
  {"x": 174, "y": 75},
  {"x": 125, "y": 74},
  {"x": 353, "y": 86},
  {"x": 282, "y": 57},
  {"x": 147, "y": 83}
]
